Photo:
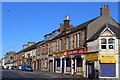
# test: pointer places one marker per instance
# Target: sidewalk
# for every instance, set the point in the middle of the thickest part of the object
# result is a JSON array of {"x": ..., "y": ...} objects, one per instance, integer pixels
[{"x": 57, "y": 75}]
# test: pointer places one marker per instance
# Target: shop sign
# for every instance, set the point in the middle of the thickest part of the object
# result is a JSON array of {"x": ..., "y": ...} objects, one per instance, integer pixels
[
  {"x": 91, "y": 57},
  {"x": 76, "y": 52},
  {"x": 107, "y": 61},
  {"x": 107, "y": 56},
  {"x": 70, "y": 52},
  {"x": 58, "y": 54}
]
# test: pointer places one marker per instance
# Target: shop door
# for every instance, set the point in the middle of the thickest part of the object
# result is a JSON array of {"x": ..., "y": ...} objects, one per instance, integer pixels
[
  {"x": 51, "y": 65},
  {"x": 107, "y": 70},
  {"x": 34, "y": 65},
  {"x": 38, "y": 65},
  {"x": 63, "y": 65},
  {"x": 90, "y": 70}
]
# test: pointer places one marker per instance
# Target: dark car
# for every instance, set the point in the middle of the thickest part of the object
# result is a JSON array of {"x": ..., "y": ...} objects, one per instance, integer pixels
[
  {"x": 19, "y": 67},
  {"x": 1, "y": 67},
  {"x": 26, "y": 67},
  {"x": 13, "y": 67}
]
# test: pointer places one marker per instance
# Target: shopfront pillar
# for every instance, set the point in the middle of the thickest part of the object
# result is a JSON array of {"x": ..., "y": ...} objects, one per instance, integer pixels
[{"x": 72, "y": 66}]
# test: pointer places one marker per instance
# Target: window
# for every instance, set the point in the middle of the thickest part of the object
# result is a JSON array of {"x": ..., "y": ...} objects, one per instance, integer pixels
[
  {"x": 68, "y": 62},
  {"x": 107, "y": 43},
  {"x": 11, "y": 57},
  {"x": 78, "y": 40},
  {"x": 111, "y": 43},
  {"x": 60, "y": 44},
  {"x": 79, "y": 62},
  {"x": 58, "y": 63},
  {"x": 103, "y": 43},
  {"x": 69, "y": 42}
]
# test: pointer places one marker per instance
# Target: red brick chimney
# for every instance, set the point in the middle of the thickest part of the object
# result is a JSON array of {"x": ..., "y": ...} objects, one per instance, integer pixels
[{"x": 104, "y": 10}]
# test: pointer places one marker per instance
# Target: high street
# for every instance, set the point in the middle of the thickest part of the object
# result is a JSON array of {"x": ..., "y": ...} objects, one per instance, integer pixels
[{"x": 35, "y": 75}]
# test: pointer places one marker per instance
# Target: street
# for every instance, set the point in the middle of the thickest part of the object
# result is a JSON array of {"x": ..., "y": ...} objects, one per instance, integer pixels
[{"x": 23, "y": 75}]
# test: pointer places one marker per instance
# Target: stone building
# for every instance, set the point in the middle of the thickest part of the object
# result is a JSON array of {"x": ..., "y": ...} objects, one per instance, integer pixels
[
  {"x": 90, "y": 49},
  {"x": 8, "y": 59}
]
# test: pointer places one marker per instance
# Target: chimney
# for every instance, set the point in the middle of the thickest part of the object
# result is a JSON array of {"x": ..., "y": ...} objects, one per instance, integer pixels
[
  {"x": 66, "y": 22},
  {"x": 25, "y": 46},
  {"x": 65, "y": 26},
  {"x": 104, "y": 11},
  {"x": 30, "y": 43}
]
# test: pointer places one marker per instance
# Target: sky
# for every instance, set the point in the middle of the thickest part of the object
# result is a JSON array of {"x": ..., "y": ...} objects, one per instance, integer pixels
[{"x": 24, "y": 22}]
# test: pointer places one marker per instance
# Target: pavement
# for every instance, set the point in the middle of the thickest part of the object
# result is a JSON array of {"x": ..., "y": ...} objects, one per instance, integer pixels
[{"x": 57, "y": 75}]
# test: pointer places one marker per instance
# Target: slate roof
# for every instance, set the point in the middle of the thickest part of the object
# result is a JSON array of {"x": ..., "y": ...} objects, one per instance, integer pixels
[
  {"x": 77, "y": 28},
  {"x": 30, "y": 47},
  {"x": 115, "y": 29}
]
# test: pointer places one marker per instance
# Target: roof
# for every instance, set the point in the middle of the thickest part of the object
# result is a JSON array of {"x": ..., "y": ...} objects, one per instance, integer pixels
[
  {"x": 30, "y": 47},
  {"x": 115, "y": 29},
  {"x": 77, "y": 28}
]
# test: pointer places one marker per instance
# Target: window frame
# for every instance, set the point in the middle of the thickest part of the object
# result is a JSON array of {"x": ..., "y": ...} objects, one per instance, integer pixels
[{"x": 107, "y": 44}]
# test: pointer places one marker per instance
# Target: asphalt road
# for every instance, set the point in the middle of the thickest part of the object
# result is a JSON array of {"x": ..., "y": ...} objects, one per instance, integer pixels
[
  {"x": 17, "y": 74},
  {"x": 27, "y": 75}
]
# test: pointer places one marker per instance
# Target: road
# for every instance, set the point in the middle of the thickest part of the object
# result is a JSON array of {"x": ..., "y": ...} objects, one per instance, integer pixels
[
  {"x": 17, "y": 74},
  {"x": 36, "y": 75}
]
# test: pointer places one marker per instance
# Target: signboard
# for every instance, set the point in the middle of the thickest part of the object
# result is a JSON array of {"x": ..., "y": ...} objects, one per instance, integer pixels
[
  {"x": 70, "y": 52},
  {"x": 107, "y": 56},
  {"x": 107, "y": 61},
  {"x": 76, "y": 51},
  {"x": 91, "y": 57}
]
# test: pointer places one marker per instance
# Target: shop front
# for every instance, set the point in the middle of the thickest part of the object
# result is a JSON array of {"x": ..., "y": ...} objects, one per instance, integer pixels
[
  {"x": 69, "y": 62},
  {"x": 107, "y": 65},
  {"x": 91, "y": 69}
]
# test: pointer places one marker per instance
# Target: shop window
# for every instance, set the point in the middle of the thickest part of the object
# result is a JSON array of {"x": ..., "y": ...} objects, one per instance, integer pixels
[
  {"x": 58, "y": 63},
  {"x": 68, "y": 63},
  {"x": 79, "y": 62}
]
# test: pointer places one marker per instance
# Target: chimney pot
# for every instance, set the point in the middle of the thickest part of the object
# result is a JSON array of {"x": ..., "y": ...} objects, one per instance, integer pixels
[{"x": 104, "y": 10}]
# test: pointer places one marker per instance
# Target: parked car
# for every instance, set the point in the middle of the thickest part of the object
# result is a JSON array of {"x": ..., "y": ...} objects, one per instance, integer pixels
[
  {"x": 19, "y": 67},
  {"x": 9, "y": 67},
  {"x": 1, "y": 67},
  {"x": 26, "y": 67},
  {"x": 14, "y": 67}
]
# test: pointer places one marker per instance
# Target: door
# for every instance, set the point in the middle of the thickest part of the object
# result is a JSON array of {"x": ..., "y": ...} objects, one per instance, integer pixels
[
  {"x": 90, "y": 70},
  {"x": 51, "y": 65},
  {"x": 108, "y": 70},
  {"x": 38, "y": 65},
  {"x": 34, "y": 65},
  {"x": 62, "y": 65}
]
